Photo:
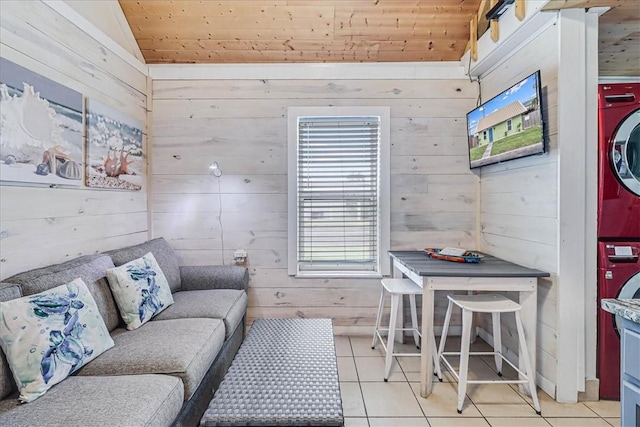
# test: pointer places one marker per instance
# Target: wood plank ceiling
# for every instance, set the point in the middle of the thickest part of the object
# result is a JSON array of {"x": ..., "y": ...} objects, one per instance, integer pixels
[
  {"x": 262, "y": 31},
  {"x": 619, "y": 40},
  {"x": 618, "y": 34}
]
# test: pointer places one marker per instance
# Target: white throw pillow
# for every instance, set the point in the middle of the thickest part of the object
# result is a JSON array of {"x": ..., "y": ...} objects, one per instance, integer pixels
[
  {"x": 140, "y": 289},
  {"x": 48, "y": 336}
]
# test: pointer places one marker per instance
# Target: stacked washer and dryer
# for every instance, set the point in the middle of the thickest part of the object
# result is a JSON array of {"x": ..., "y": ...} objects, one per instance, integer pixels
[{"x": 618, "y": 219}]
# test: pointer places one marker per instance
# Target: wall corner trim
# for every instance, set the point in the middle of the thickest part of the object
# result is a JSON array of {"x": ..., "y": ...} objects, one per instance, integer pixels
[
  {"x": 81, "y": 22},
  {"x": 576, "y": 103}
]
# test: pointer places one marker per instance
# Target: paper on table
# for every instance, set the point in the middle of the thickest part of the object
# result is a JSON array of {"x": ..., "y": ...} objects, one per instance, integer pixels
[{"x": 452, "y": 251}]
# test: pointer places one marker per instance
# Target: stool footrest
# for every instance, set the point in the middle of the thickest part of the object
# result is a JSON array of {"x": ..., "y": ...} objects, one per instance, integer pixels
[
  {"x": 475, "y": 353},
  {"x": 483, "y": 353},
  {"x": 401, "y": 329},
  {"x": 384, "y": 344}
]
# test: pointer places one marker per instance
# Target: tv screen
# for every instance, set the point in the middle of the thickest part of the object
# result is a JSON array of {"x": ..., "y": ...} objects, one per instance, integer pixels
[{"x": 508, "y": 126}]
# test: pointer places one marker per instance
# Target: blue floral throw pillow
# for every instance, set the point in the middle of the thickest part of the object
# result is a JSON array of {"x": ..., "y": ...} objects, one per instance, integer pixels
[
  {"x": 140, "y": 289},
  {"x": 48, "y": 336}
]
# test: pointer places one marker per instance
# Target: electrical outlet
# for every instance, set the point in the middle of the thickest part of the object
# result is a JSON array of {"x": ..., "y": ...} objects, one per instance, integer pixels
[{"x": 240, "y": 256}]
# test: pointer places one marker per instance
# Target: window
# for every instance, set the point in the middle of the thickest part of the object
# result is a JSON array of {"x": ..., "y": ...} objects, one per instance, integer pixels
[
  {"x": 509, "y": 125},
  {"x": 338, "y": 191}
]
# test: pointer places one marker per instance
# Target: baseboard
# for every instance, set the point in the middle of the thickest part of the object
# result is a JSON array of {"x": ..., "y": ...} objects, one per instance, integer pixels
[
  {"x": 353, "y": 331},
  {"x": 591, "y": 391},
  {"x": 546, "y": 385},
  {"x": 368, "y": 331}
]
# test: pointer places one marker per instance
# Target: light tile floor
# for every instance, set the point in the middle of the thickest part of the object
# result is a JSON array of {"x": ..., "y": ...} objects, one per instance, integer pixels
[{"x": 368, "y": 401}]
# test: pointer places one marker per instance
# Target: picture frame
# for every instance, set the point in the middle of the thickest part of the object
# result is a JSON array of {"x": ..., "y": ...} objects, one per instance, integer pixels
[
  {"x": 115, "y": 155},
  {"x": 41, "y": 129}
]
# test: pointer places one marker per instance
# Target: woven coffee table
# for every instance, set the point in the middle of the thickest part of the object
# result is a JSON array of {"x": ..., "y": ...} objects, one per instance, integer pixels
[{"x": 285, "y": 374}]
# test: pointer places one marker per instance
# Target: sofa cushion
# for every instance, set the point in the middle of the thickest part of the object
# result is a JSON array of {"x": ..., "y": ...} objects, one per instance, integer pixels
[
  {"x": 181, "y": 347},
  {"x": 163, "y": 253},
  {"x": 140, "y": 289},
  {"x": 90, "y": 268},
  {"x": 8, "y": 291},
  {"x": 229, "y": 305},
  {"x": 132, "y": 400},
  {"x": 48, "y": 336}
]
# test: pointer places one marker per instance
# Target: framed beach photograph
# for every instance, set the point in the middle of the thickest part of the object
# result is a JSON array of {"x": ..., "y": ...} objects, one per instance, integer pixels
[
  {"x": 40, "y": 129},
  {"x": 115, "y": 157}
]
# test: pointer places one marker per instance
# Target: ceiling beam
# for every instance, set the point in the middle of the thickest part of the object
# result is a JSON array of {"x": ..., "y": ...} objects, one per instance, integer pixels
[
  {"x": 483, "y": 22},
  {"x": 520, "y": 9}
]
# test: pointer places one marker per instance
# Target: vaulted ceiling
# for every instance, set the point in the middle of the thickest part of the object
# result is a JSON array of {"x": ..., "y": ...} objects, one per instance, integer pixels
[
  {"x": 300, "y": 30},
  {"x": 263, "y": 31}
]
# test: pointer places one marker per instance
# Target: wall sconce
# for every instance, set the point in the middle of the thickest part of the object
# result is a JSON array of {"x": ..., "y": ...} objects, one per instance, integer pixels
[
  {"x": 215, "y": 169},
  {"x": 498, "y": 10}
]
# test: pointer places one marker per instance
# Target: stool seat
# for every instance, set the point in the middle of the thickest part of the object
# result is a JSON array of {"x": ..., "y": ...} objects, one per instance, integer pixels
[
  {"x": 485, "y": 303},
  {"x": 401, "y": 286}
]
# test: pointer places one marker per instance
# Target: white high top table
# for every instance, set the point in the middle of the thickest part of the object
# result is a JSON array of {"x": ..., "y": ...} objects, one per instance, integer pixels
[{"x": 491, "y": 274}]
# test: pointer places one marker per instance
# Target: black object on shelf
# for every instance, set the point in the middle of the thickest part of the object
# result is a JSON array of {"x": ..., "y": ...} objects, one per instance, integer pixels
[{"x": 499, "y": 9}]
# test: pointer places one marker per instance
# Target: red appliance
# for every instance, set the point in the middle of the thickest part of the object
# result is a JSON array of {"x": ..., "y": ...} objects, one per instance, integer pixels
[
  {"x": 618, "y": 277},
  {"x": 619, "y": 162},
  {"x": 618, "y": 218}
]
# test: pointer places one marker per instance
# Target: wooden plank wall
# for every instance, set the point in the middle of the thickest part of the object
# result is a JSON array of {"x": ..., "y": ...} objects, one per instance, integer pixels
[
  {"x": 41, "y": 225},
  {"x": 242, "y": 124},
  {"x": 519, "y": 199},
  {"x": 108, "y": 16}
]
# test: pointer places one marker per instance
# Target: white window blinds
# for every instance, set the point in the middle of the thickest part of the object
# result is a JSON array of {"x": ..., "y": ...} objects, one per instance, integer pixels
[{"x": 338, "y": 193}]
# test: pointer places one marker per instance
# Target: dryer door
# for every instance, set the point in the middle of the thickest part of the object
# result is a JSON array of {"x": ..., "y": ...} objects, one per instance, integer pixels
[
  {"x": 625, "y": 152},
  {"x": 630, "y": 290}
]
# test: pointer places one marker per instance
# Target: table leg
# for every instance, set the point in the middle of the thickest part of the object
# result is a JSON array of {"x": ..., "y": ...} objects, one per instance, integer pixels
[
  {"x": 474, "y": 322},
  {"x": 399, "y": 335},
  {"x": 426, "y": 358},
  {"x": 529, "y": 314}
]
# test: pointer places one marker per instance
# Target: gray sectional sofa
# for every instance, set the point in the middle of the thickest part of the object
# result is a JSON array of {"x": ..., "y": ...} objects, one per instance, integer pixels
[{"x": 163, "y": 373}]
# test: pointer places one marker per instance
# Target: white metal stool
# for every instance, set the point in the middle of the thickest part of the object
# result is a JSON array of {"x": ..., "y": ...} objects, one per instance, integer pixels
[
  {"x": 397, "y": 288},
  {"x": 494, "y": 304}
]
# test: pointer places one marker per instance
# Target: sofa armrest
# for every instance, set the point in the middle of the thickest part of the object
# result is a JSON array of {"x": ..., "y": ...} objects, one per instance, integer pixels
[
  {"x": 9, "y": 291},
  {"x": 196, "y": 278}
]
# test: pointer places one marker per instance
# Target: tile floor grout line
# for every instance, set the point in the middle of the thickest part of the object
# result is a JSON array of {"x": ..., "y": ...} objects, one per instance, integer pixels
[
  {"x": 364, "y": 404},
  {"x": 516, "y": 388},
  {"x": 593, "y": 411},
  {"x": 411, "y": 388}
]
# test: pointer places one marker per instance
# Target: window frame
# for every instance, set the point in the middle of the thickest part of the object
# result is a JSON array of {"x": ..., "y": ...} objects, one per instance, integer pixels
[{"x": 384, "y": 215}]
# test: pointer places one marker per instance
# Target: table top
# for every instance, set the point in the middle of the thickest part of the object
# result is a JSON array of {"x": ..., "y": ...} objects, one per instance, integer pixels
[{"x": 489, "y": 266}]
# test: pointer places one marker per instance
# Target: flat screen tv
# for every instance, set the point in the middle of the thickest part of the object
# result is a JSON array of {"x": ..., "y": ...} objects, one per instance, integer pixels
[{"x": 508, "y": 126}]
